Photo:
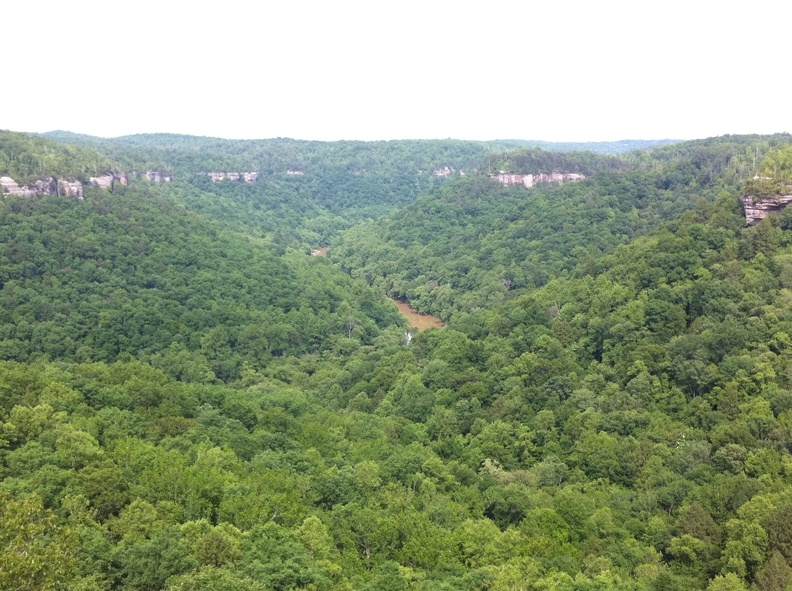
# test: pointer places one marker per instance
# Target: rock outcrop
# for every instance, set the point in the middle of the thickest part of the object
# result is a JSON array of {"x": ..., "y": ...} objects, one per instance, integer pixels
[
  {"x": 70, "y": 187},
  {"x": 62, "y": 187},
  {"x": 48, "y": 186},
  {"x": 758, "y": 209},
  {"x": 103, "y": 182},
  {"x": 109, "y": 181},
  {"x": 156, "y": 176},
  {"x": 66, "y": 187},
  {"x": 531, "y": 180},
  {"x": 248, "y": 177},
  {"x": 11, "y": 187}
]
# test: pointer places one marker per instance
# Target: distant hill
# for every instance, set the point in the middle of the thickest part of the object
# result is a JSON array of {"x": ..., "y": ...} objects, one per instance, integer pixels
[
  {"x": 192, "y": 154},
  {"x": 26, "y": 157},
  {"x": 616, "y": 147},
  {"x": 195, "y": 153}
]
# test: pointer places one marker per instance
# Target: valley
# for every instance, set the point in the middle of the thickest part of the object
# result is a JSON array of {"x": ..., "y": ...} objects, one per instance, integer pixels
[
  {"x": 189, "y": 400},
  {"x": 414, "y": 319}
]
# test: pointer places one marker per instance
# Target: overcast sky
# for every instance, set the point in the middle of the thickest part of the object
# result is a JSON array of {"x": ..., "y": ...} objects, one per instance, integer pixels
[{"x": 543, "y": 70}]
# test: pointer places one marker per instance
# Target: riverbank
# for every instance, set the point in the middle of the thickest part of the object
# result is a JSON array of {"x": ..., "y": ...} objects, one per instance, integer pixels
[{"x": 417, "y": 320}]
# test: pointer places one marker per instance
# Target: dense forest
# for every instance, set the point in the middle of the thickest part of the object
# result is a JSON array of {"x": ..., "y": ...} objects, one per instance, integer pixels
[
  {"x": 26, "y": 158},
  {"x": 189, "y": 401},
  {"x": 474, "y": 243}
]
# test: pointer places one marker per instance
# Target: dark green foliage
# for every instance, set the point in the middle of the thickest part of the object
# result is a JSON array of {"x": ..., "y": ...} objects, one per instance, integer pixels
[
  {"x": 775, "y": 176},
  {"x": 474, "y": 244},
  {"x": 183, "y": 407},
  {"x": 136, "y": 274},
  {"x": 150, "y": 563},
  {"x": 26, "y": 158},
  {"x": 537, "y": 161}
]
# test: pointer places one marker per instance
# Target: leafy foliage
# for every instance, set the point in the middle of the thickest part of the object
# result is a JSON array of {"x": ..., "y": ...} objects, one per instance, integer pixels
[
  {"x": 185, "y": 407},
  {"x": 135, "y": 274},
  {"x": 26, "y": 158},
  {"x": 775, "y": 176}
]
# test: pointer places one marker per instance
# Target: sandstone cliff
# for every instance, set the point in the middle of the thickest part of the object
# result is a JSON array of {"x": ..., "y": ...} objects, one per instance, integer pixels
[
  {"x": 531, "y": 180},
  {"x": 248, "y": 177},
  {"x": 62, "y": 187},
  {"x": 157, "y": 176},
  {"x": 70, "y": 187},
  {"x": 109, "y": 181},
  {"x": 11, "y": 187},
  {"x": 758, "y": 209},
  {"x": 48, "y": 186}
]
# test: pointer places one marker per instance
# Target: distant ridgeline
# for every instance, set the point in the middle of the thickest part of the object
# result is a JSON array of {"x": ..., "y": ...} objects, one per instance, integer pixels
[
  {"x": 202, "y": 156},
  {"x": 770, "y": 190}
]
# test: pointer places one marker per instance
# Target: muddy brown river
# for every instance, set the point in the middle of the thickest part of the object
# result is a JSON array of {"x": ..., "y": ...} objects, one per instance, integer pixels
[{"x": 417, "y": 320}]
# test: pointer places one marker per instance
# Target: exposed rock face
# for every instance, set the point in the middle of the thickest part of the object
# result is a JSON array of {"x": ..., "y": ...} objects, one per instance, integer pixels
[
  {"x": 531, "y": 180},
  {"x": 64, "y": 187},
  {"x": 70, "y": 187},
  {"x": 7, "y": 182},
  {"x": 11, "y": 187},
  {"x": 248, "y": 177},
  {"x": 108, "y": 181},
  {"x": 103, "y": 182},
  {"x": 758, "y": 209},
  {"x": 156, "y": 176},
  {"x": 48, "y": 186}
]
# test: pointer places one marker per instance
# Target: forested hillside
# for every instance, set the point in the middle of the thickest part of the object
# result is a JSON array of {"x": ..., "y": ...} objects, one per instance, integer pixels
[
  {"x": 475, "y": 243},
  {"x": 617, "y": 147},
  {"x": 134, "y": 273},
  {"x": 26, "y": 157},
  {"x": 189, "y": 403},
  {"x": 306, "y": 192},
  {"x": 187, "y": 154}
]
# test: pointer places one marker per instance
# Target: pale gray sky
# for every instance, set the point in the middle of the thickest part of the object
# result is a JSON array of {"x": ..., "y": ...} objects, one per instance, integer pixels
[{"x": 549, "y": 70}]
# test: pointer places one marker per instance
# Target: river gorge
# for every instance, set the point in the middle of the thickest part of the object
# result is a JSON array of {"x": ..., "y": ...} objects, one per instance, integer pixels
[{"x": 416, "y": 319}]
